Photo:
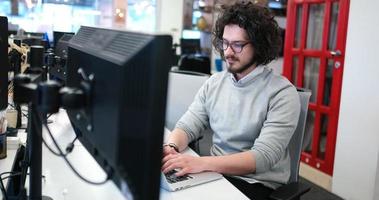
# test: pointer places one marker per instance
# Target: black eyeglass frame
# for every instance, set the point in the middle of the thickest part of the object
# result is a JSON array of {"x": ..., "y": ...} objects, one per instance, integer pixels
[{"x": 236, "y": 46}]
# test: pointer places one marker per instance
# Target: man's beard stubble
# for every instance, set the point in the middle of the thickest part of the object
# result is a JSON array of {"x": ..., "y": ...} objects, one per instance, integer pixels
[{"x": 242, "y": 68}]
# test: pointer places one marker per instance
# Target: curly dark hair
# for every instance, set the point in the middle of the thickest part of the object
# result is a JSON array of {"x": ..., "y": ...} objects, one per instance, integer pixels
[{"x": 258, "y": 21}]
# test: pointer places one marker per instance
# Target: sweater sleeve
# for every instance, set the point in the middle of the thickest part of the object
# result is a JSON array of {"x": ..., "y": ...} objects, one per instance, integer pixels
[
  {"x": 196, "y": 118},
  {"x": 278, "y": 128}
]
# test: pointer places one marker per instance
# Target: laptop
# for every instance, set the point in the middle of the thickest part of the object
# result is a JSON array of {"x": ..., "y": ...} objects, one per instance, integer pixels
[{"x": 170, "y": 182}]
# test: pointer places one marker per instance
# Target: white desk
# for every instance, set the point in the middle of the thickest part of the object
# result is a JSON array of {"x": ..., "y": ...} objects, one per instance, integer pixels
[{"x": 62, "y": 184}]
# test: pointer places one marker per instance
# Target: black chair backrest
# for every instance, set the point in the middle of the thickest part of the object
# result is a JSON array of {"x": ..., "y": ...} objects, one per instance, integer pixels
[
  {"x": 190, "y": 46},
  {"x": 195, "y": 62}
]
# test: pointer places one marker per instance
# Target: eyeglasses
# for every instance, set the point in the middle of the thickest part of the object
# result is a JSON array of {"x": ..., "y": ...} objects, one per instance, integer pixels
[{"x": 237, "y": 47}]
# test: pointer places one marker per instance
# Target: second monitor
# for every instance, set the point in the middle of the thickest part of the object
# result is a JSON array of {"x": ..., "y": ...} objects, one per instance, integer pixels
[{"x": 190, "y": 46}]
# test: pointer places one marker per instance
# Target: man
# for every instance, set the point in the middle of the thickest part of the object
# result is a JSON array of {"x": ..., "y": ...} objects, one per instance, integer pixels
[{"x": 252, "y": 111}]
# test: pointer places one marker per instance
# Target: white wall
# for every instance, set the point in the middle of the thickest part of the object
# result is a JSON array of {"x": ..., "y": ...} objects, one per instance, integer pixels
[
  {"x": 356, "y": 157},
  {"x": 170, "y": 17},
  {"x": 376, "y": 190}
]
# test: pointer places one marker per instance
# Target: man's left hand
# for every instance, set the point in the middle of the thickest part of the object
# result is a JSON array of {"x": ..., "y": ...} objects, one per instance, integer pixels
[{"x": 184, "y": 164}]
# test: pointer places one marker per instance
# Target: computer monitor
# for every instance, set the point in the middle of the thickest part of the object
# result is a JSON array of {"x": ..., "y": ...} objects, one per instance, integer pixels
[
  {"x": 4, "y": 65},
  {"x": 57, "y": 35},
  {"x": 12, "y": 32},
  {"x": 57, "y": 70},
  {"x": 190, "y": 46},
  {"x": 124, "y": 74},
  {"x": 32, "y": 38},
  {"x": 62, "y": 45}
]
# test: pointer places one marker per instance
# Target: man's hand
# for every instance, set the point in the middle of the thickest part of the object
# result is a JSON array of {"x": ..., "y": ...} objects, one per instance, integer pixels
[
  {"x": 167, "y": 150},
  {"x": 183, "y": 163}
]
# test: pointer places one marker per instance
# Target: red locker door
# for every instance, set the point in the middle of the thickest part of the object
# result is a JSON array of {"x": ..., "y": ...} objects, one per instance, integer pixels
[{"x": 314, "y": 59}]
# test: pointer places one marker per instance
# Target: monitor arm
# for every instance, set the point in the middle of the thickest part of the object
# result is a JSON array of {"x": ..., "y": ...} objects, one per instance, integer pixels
[{"x": 43, "y": 98}]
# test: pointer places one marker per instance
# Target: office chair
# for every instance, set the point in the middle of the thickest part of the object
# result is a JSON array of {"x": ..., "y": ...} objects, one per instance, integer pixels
[
  {"x": 293, "y": 190},
  {"x": 182, "y": 88}
]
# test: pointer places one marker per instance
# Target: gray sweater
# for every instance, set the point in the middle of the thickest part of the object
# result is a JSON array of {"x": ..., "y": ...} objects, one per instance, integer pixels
[{"x": 258, "y": 113}]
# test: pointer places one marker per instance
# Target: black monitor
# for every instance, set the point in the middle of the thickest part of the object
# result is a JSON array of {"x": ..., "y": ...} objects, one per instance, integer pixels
[
  {"x": 62, "y": 45},
  {"x": 32, "y": 38},
  {"x": 4, "y": 65},
  {"x": 57, "y": 35},
  {"x": 190, "y": 46},
  {"x": 58, "y": 69},
  {"x": 124, "y": 74},
  {"x": 12, "y": 32}
]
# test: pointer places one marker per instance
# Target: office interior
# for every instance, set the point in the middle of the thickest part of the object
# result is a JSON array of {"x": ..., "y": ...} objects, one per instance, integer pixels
[{"x": 352, "y": 171}]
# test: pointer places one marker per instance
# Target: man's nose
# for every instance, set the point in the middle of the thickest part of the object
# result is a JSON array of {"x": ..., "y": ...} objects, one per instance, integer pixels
[{"x": 228, "y": 51}]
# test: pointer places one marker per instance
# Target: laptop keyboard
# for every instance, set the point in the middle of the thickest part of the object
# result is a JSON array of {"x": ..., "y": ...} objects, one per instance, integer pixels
[{"x": 172, "y": 178}]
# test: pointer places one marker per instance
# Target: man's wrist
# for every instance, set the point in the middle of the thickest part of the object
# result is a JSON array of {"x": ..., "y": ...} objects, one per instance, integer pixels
[{"x": 172, "y": 145}]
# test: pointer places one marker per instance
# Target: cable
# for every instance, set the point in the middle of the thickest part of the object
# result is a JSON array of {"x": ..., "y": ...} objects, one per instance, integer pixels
[
  {"x": 15, "y": 174},
  {"x": 3, "y": 190},
  {"x": 69, "y": 147},
  {"x": 64, "y": 156},
  {"x": 2, "y": 184},
  {"x": 5, "y": 173},
  {"x": 12, "y": 175},
  {"x": 14, "y": 107},
  {"x": 50, "y": 149}
]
